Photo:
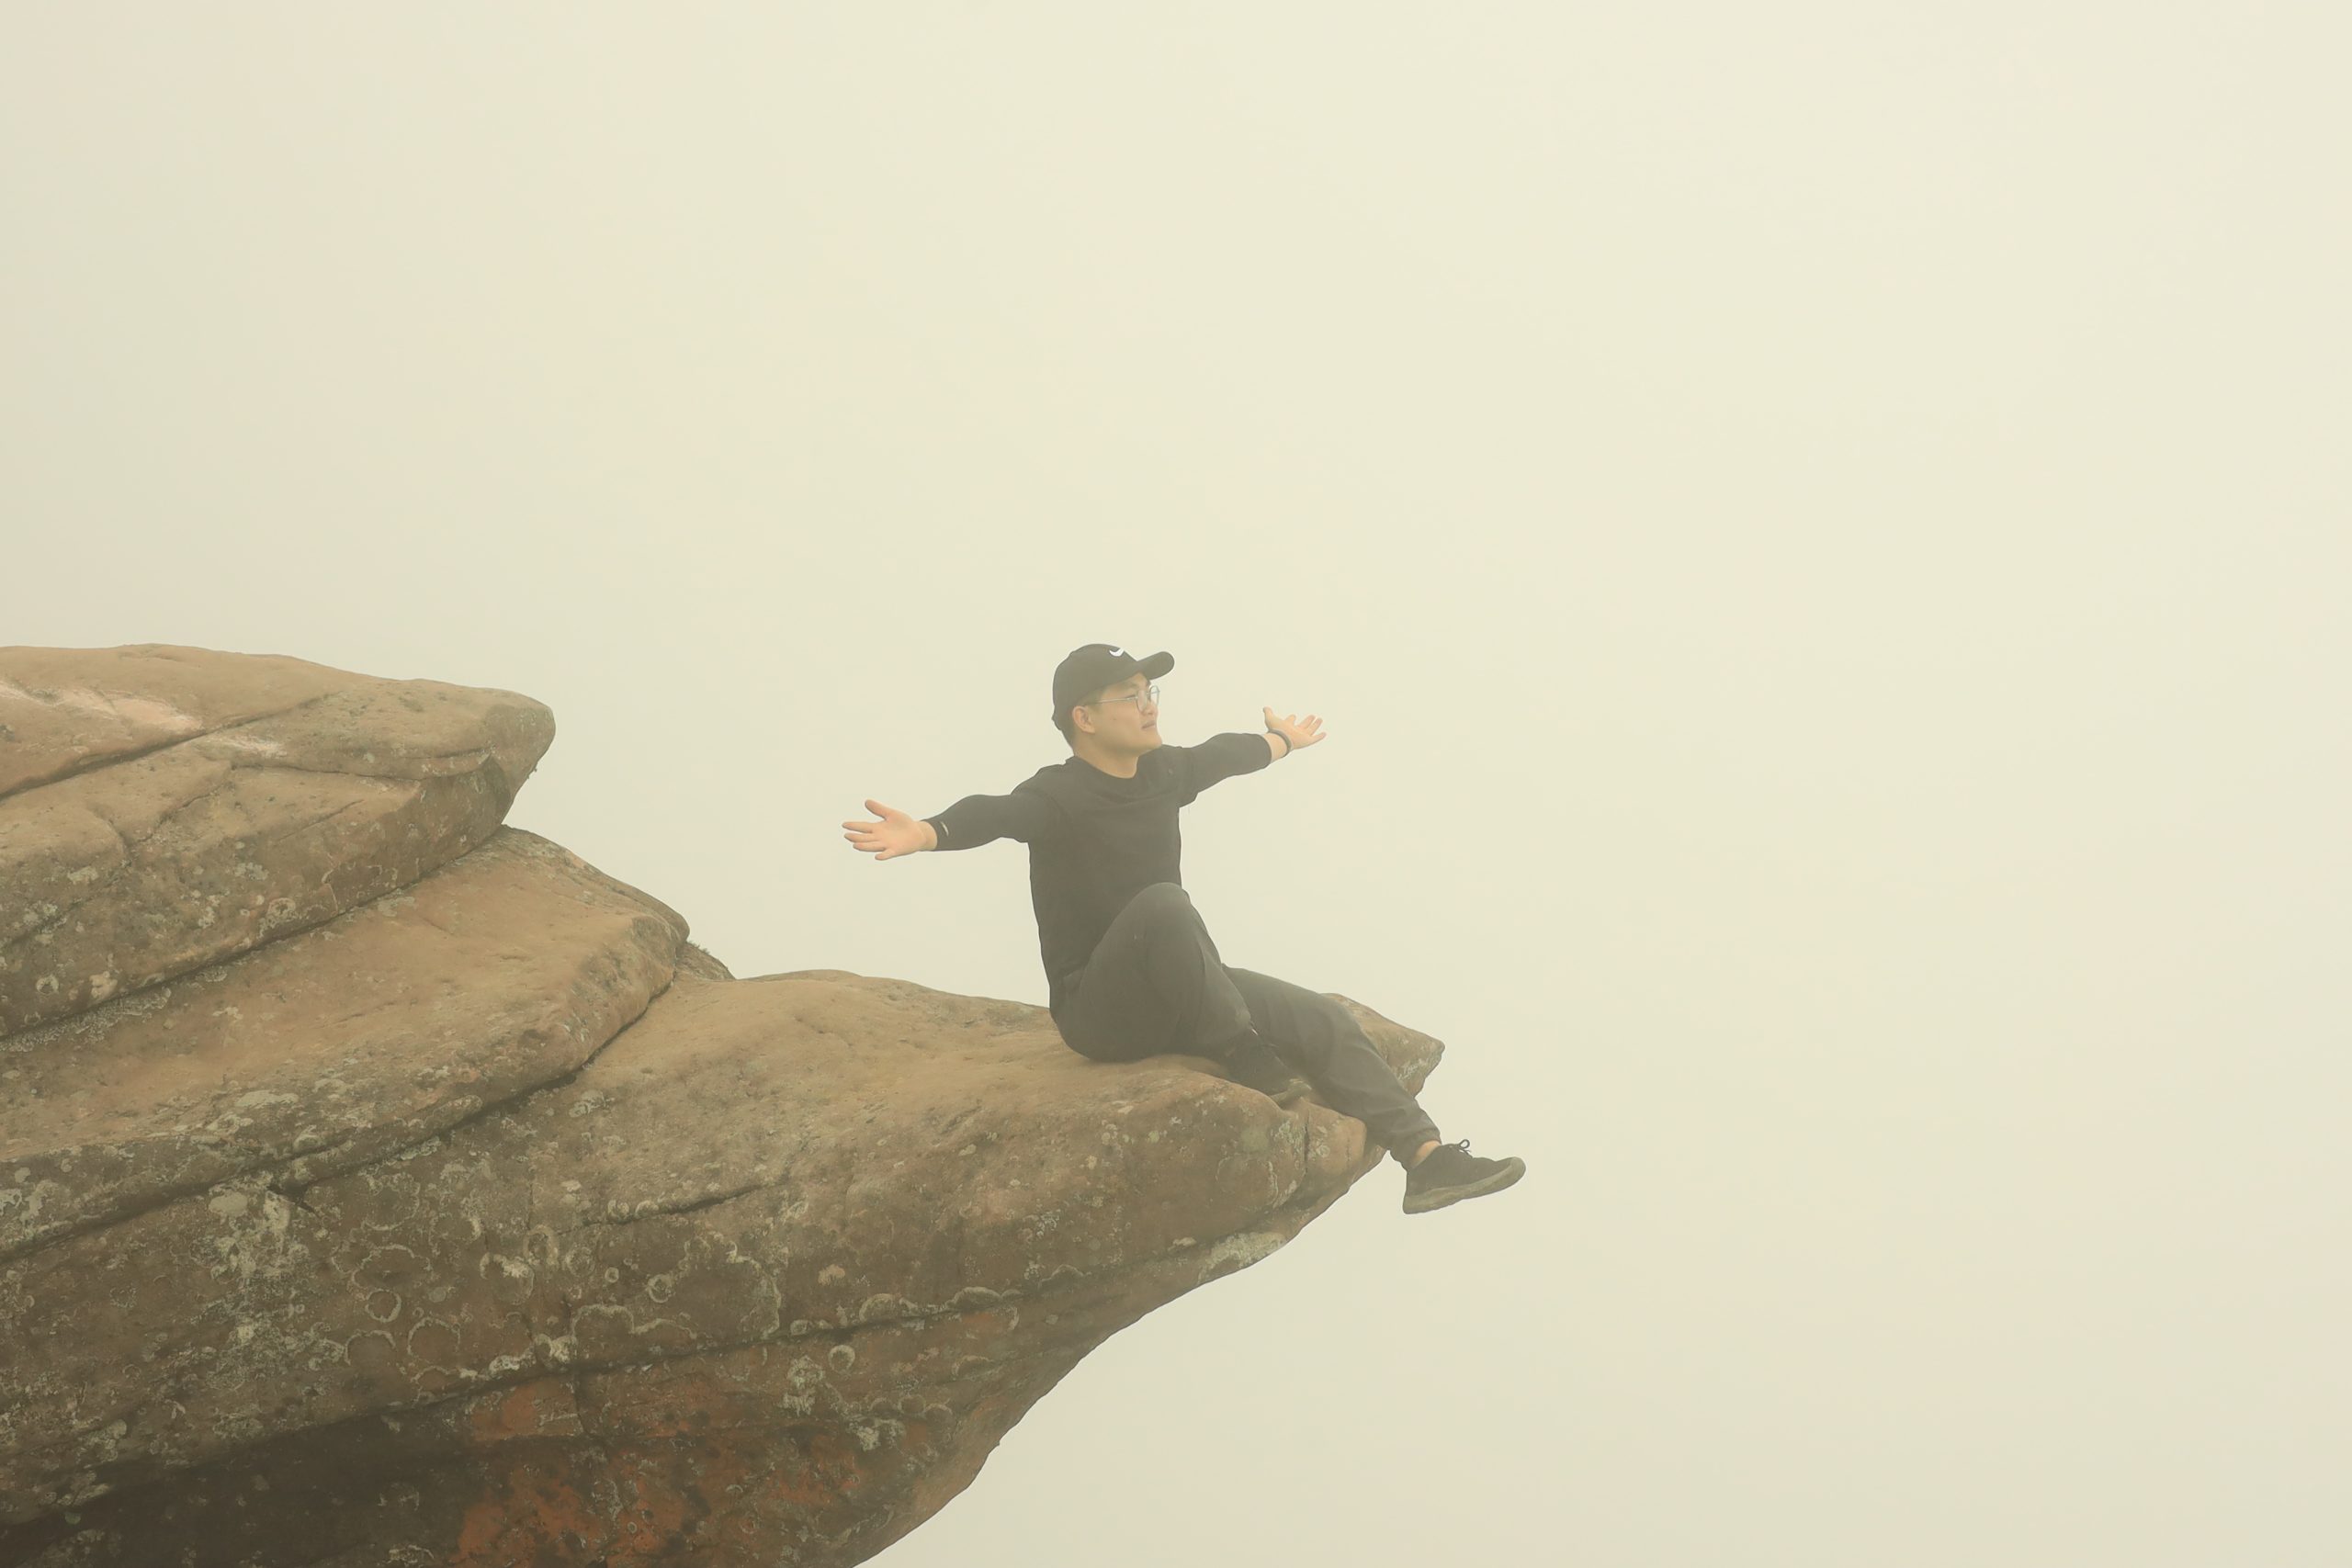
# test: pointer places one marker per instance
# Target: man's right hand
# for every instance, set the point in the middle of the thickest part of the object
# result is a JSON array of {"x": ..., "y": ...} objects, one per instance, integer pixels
[{"x": 895, "y": 834}]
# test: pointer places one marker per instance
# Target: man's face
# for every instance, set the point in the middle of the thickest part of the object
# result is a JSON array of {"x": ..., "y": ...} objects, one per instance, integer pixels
[{"x": 1128, "y": 725}]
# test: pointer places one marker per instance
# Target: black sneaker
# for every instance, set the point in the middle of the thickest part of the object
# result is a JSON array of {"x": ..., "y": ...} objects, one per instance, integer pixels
[
  {"x": 1450, "y": 1173},
  {"x": 1252, "y": 1063}
]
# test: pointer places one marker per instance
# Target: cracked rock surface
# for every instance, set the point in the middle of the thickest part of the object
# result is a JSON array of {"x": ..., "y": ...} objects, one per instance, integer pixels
[
  {"x": 479, "y": 1217},
  {"x": 164, "y": 808}
]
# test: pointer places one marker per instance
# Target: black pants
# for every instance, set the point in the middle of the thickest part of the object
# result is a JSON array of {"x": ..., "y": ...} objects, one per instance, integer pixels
[{"x": 1155, "y": 983}]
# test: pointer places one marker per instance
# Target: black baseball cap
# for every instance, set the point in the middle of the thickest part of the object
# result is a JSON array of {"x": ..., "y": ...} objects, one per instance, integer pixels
[{"x": 1089, "y": 668}]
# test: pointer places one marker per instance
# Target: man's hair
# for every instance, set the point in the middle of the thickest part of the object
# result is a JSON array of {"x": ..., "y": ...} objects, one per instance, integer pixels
[{"x": 1067, "y": 726}]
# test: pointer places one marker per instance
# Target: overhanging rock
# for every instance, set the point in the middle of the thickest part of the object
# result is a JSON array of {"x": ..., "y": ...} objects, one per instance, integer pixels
[{"x": 486, "y": 1219}]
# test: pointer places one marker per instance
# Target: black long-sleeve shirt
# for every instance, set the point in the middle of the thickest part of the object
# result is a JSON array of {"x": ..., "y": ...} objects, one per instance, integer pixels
[{"x": 1095, "y": 840}]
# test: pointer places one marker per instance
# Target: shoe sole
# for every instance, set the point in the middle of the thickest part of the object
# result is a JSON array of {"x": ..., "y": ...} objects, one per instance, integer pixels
[{"x": 1439, "y": 1198}]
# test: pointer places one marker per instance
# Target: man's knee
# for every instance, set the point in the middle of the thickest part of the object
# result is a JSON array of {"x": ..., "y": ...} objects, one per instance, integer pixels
[{"x": 1162, "y": 898}]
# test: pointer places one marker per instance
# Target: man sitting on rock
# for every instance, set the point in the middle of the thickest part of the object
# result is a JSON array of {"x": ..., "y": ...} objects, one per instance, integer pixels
[{"x": 1130, "y": 966}]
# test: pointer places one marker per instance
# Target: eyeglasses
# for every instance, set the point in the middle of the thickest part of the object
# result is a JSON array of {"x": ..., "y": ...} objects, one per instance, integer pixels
[{"x": 1152, "y": 692}]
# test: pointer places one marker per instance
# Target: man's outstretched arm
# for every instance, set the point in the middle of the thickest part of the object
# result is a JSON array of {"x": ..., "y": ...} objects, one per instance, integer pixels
[
  {"x": 976, "y": 819},
  {"x": 1237, "y": 752}
]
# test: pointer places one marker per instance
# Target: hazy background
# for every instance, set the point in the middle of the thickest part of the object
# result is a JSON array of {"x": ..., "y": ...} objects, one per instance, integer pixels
[{"x": 1817, "y": 534}]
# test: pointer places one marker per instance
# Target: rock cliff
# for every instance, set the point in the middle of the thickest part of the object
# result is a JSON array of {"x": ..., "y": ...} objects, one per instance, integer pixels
[{"x": 383, "y": 1184}]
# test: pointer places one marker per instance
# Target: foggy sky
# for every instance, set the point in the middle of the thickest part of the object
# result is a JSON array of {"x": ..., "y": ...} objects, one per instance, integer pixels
[{"x": 1816, "y": 533}]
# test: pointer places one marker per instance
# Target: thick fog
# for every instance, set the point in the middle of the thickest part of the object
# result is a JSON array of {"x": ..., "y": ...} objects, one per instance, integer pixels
[{"x": 1817, "y": 535}]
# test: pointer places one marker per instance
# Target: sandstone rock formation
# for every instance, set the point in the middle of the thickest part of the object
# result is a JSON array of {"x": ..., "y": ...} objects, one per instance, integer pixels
[{"x": 382, "y": 1184}]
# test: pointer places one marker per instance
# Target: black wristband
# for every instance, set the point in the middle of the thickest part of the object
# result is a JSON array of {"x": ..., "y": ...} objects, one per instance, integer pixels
[{"x": 1287, "y": 746}]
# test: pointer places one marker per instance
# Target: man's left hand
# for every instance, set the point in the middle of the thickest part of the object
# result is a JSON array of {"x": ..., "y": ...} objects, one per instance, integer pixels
[{"x": 1297, "y": 731}]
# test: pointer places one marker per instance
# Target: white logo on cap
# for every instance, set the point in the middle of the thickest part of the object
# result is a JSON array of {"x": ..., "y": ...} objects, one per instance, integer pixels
[{"x": 1120, "y": 652}]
